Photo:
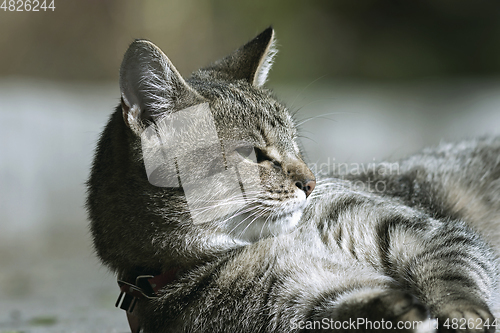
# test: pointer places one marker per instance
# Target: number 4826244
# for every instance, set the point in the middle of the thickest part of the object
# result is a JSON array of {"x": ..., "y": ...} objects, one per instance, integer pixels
[{"x": 27, "y": 5}]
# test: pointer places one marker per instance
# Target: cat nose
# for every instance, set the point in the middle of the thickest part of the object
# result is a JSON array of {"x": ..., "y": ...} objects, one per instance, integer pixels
[{"x": 307, "y": 186}]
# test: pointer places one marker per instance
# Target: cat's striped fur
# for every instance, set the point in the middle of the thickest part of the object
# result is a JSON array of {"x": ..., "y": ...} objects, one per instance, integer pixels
[{"x": 424, "y": 247}]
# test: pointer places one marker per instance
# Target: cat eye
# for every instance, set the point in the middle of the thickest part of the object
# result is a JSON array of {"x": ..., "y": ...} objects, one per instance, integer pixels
[{"x": 261, "y": 156}]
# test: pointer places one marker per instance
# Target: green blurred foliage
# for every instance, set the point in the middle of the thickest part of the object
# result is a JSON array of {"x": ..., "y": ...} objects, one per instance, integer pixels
[{"x": 378, "y": 39}]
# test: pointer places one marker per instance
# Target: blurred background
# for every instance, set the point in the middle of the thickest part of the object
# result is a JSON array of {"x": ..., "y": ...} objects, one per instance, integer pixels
[{"x": 369, "y": 80}]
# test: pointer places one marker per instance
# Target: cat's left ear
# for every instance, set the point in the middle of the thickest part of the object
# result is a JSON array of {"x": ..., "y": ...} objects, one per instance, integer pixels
[{"x": 251, "y": 62}]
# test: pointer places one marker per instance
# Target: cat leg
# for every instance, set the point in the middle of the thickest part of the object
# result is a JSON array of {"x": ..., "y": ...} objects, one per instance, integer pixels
[
  {"x": 372, "y": 310},
  {"x": 347, "y": 295},
  {"x": 443, "y": 263},
  {"x": 451, "y": 270}
]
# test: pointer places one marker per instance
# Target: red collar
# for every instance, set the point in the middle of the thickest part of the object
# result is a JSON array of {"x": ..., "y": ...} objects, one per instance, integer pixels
[{"x": 146, "y": 286}]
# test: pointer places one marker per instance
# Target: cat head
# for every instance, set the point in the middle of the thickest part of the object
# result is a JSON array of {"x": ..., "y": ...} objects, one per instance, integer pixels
[{"x": 220, "y": 136}]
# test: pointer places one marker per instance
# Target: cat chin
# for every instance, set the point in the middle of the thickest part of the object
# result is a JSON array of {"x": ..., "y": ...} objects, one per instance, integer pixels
[{"x": 246, "y": 230}]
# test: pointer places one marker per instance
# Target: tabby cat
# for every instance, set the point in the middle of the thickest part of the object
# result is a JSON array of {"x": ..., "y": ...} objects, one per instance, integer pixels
[{"x": 201, "y": 182}]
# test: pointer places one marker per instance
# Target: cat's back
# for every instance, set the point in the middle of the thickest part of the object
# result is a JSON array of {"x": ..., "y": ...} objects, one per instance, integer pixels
[
  {"x": 457, "y": 180},
  {"x": 464, "y": 177}
]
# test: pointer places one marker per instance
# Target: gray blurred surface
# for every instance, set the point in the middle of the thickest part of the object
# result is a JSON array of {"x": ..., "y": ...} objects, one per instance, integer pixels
[
  {"x": 359, "y": 122},
  {"x": 50, "y": 280}
]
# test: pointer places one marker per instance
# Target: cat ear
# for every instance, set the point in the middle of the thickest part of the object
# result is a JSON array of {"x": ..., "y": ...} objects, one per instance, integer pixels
[
  {"x": 251, "y": 62},
  {"x": 150, "y": 85}
]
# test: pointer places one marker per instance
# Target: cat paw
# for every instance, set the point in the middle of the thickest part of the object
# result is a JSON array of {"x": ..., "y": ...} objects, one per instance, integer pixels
[
  {"x": 401, "y": 311},
  {"x": 466, "y": 317},
  {"x": 386, "y": 311}
]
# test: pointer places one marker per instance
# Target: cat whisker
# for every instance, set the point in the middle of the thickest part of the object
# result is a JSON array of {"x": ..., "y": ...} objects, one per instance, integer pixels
[
  {"x": 306, "y": 137},
  {"x": 321, "y": 116},
  {"x": 242, "y": 221},
  {"x": 304, "y": 89},
  {"x": 206, "y": 204},
  {"x": 264, "y": 226},
  {"x": 240, "y": 211},
  {"x": 249, "y": 224},
  {"x": 203, "y": 210},
  {"x": 260, "y": 214}
]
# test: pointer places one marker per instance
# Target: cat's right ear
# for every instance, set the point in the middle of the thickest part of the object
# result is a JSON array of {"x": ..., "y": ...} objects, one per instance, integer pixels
[{"x": 151, "y": 86}]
